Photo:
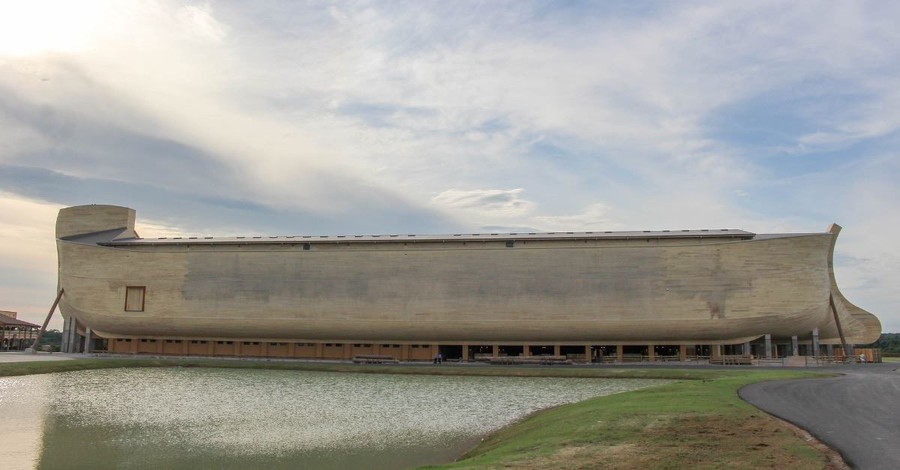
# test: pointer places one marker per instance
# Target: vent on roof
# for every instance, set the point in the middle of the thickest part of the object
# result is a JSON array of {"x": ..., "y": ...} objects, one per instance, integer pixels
[
  {"x": 207, "y": 238},
  {"x": 257, "y": 237},
  {"x": 241, "y": 237}
]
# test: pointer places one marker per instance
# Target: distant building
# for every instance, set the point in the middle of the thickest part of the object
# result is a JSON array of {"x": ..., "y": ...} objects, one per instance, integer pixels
[
  {"x": 584, "y": 295},
  {"x": 16, "y": 334}
]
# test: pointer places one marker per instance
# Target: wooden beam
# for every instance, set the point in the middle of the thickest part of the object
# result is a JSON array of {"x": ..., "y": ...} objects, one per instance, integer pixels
[{"x": 37, "y": 340}]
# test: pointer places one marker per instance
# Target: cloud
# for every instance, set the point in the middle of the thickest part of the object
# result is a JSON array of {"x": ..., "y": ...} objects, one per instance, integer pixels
[{"x": 485, "y": 203}]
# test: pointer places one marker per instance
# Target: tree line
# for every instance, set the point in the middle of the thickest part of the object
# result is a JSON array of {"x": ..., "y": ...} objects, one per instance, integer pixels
[{"x": 888, "y": 342}]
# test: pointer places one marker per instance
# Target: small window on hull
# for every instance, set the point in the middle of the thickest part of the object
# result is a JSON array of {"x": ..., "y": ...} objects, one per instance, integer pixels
[{"x": 134, "y": 298}]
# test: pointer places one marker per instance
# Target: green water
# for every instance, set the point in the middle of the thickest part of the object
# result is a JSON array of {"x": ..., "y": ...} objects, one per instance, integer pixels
[{"x": 232, "y": 418}]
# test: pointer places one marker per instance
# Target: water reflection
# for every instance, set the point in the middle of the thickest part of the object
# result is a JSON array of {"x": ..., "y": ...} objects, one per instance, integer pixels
[{"x": 230, "y": 418}]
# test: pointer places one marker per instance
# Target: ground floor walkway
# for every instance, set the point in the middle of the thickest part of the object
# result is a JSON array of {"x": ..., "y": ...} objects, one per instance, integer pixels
[{"x": 856, "y": 414}]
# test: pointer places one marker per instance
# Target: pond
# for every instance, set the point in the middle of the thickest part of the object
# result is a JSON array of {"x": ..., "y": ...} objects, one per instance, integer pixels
[{"x": 251, "y": 418}]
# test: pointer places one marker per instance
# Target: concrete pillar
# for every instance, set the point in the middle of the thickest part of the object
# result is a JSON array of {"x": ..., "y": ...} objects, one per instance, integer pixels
[
  {"x": 651, "y": 352},
  {"x": 495, "y": 350},
  {"x": 768, "y": 346},
  {"x": 795, "y": 347},
  {"x": 87, "y": 340},
  {"x": 747, "y": 348},
  {"x": 556, "y": 350},
  {"x": 465, "y": 353},
  {"x": 526, "y": 350},
  {"x": 715, "y": 351},
  {"x": 620, "y": 353},
  {"x": 815, "y": 341},
  {"x": 587, "y": 353},
  {"x": 682, "y": 353}
]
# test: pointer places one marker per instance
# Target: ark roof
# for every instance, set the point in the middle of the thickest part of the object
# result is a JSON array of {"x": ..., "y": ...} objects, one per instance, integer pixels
[{"x": 395, "y": 238}]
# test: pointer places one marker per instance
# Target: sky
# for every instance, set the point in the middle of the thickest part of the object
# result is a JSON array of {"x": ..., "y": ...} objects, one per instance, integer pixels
[{"x": 312, "y": 118}]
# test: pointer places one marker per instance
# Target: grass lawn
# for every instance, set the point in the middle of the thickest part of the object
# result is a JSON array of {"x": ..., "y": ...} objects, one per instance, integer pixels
[{"x": 698, "y": 421}]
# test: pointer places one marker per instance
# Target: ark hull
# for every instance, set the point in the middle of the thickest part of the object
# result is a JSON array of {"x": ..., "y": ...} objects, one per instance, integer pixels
[{"x": 699, "y": 287}]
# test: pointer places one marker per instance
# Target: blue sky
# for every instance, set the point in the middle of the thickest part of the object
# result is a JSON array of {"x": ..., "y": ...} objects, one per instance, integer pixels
[{"x": 426, "y": 117}]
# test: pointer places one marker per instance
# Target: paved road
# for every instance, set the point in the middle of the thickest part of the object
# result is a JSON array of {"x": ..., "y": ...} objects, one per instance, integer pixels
[{"x": 858, "y": 414}]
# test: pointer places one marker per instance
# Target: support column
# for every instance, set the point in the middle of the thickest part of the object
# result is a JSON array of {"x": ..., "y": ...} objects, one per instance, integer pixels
[
  {"x": 715, "y": 351},
  {"x": 651, "y": 352},
  {"x": 815, "y": 344},
  {"x": 768, "y": 346},
  {"x": 495, "y": 350},
  {"x": 682, "y": 353},
  {"x": 587, "y": 353},
  {"x": 747, "y": 348},
  {"x": 829, "y": 350},
  {"x": 795, "y": 347},
  {"x": 556, "y": 350},
  {"x": 526, "y": 350},
  {"x": 620, "y": 353},
  {"x": 465, "y": 353},
  {"x": 87, "y": 340}
]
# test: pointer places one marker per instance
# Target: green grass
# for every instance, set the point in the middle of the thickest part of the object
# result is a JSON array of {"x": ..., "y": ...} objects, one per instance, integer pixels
[
  {"x": 687, "y": 424},
  {"x": 698, "y": 421},
  {"x": 44, "y": 367}
]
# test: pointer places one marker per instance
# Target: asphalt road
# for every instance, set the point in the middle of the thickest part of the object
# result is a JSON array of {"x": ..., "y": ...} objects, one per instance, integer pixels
[{"x": 857, "y": 414}]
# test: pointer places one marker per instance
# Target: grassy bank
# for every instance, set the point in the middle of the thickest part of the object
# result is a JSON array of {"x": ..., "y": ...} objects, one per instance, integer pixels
[
  {"x": 687, "y": 424},
  {"x": 696, "y": 422},
  {"x": 44, "y": 367}
]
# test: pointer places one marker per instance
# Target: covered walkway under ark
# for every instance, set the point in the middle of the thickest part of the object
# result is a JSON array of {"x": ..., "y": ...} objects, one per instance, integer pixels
[
  {"x": 15, "y": 334},
  {"x": 762, "y": 349}
]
